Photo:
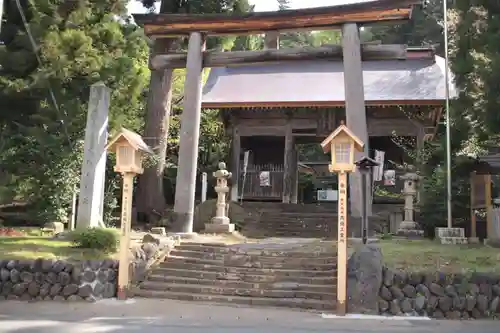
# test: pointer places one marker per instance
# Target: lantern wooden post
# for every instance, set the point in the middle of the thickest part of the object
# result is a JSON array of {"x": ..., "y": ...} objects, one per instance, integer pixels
[
  {"x": 342, "y": 246},
  {"x": 342, "y": 144},
  {"x": 129, "y": 148}
]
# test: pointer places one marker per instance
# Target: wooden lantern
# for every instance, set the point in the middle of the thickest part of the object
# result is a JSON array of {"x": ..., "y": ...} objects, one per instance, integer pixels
[
  {"x": 342, "y": 144},
  {"x": 129, "y": 148}
]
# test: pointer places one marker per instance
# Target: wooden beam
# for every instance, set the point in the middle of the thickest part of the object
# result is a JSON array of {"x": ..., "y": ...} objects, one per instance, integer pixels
[
  {"x": 235, "y": 163},
  {"x": 295, "y": 176},
  {"x": 164, "y": 25},
  {"x": 222, "y": 59},
  {"x": 288, "y": 161}
]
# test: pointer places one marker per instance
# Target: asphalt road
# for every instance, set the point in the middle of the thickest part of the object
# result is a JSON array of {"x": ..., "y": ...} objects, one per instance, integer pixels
[{"x": 155, "y": 316}]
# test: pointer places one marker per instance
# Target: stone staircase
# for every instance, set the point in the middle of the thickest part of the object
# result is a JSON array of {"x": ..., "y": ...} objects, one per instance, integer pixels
[
  {"x": 285, "y": 224},
  {"x": 305, "y": 221},
  {"x": 245, "y": 275}
]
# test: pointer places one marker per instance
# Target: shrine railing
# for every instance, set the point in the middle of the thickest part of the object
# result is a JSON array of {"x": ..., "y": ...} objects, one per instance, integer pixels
[{"x": 262, "y": 182}]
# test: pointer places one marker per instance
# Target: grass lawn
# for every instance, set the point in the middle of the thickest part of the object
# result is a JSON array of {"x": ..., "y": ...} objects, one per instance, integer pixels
[
  {"x": 44, "y": 247},
  {"x": 410, "y": 255},
  {"x": 425, "y": 255}
]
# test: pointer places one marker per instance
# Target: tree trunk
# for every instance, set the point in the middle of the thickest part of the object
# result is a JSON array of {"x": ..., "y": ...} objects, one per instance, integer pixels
[{"x": 151, "y": 198}]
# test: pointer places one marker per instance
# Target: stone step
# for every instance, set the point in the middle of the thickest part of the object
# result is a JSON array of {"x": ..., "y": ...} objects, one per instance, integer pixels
[
  {"x": 269, "y": 234},
  {"x": 296, "y": 226},
  {"x": 329, "y": 220},
  {"x": 328, "y": 288},
  {"x": 220, "y": 268},
  {"x": 228, "y": 291},
  {"x": 239, "y": 300},
  {"x": 264, "y": 259},
  {"x": 299, "y": 229},
  {"x": 247, "y": 262},
  {"x": 219, "y": 245},
  {"x": 308, "y": 216},
  {"x": 279, "y": 221},
  {"x": 302, "y": 234},
  {"x": 301, "y": 214},
  {"x": 251, "y": 277},
  {"x": 454, "y": 240},
  {"x": 254, "y": 251}
]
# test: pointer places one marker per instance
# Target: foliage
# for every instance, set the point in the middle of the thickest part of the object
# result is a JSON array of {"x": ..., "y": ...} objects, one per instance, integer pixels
[
  {"x": 475, "y": 57},
  {"x": 102, "y": 239},
  {"x": 424, "y": 29},
  {"x": 43, "y": 99},
  {"x": 433, "y": 208},
  {"x": 474, "y": 121}
]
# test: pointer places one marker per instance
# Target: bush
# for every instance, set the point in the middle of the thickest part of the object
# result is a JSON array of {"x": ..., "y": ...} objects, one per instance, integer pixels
[{"x": 102, "y": 239}]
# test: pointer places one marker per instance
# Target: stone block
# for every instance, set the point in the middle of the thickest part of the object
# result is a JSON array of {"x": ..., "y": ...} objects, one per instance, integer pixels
[
  {"x": 453, "y": 240},
  {"x": 58, "y": 227},
  {"x": 58, "y": 280},
  {"x": 364, "y": 280},
  {"x": 159, "y": 231},
  {"x": 443, "y": 296},
  {"x": 450, "y": 232},
  {"x": 212, "y": 228}
]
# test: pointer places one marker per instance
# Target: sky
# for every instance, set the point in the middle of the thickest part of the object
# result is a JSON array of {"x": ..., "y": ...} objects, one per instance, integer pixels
[{"x": 267, "y": 5}]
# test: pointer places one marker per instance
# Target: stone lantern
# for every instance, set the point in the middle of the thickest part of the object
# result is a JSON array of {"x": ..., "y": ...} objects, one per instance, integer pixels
[
  {"x": 410, "y": 189},
  {"x": 221, "y": 223}
]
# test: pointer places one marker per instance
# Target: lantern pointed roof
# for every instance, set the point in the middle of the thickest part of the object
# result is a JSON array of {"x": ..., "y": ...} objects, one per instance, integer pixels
[
  {"x": 132, "y": 138},
  {"x": 342, "y": 129}
]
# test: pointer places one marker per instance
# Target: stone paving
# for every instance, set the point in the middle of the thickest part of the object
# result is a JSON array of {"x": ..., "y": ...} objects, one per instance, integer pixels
[{"x": 159, "y": 316}]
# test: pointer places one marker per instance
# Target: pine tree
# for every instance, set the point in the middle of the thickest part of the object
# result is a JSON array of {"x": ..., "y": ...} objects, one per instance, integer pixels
[{"x": 45, "y": 88}]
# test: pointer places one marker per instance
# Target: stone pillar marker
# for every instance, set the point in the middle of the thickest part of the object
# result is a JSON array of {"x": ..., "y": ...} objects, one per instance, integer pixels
[
  {"x": 221, "y": 223},
  {"x": 408, "y": 226},
  {"x": 94, "y": 159}
]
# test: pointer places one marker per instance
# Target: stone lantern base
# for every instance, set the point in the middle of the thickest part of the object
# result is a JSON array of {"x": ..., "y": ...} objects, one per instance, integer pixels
[
  {"x": 211, "y": 228},
  {"x": 219, "y": 225},
  {"x": 410, "y": 229}
]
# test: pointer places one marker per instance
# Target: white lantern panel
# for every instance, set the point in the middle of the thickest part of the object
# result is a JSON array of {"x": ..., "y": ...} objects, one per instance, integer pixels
[
  {"x": 125, "y": 155},
  {"x": 342, "y": 153}
]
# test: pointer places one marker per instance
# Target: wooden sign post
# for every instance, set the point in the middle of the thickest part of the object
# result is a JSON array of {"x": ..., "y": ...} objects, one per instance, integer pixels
[
  {"x": 342, "y": 144},
  {"x": 129, "y": 148},
  {"x": 123, "y": 268},
  {"x": 342, "y": 246}
]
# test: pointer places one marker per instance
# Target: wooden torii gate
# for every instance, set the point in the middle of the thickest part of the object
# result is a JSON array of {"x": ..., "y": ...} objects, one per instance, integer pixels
[{"x": 349, "y": 18}]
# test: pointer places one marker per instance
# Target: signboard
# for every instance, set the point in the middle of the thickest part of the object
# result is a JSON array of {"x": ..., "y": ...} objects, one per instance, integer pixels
[
  {"x": 265, "y": 178},
  {"x": 390, "y": 177},
  {"x": 378, "y": 171},
  {"x": 327, "y": 195}
]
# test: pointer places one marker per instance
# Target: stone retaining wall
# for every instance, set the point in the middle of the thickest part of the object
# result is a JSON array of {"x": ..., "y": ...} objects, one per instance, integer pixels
[
  {"x": 45, "y": 279},
  {"x": 439, "y": 295},
  {"x": 90, "y": 280}
]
